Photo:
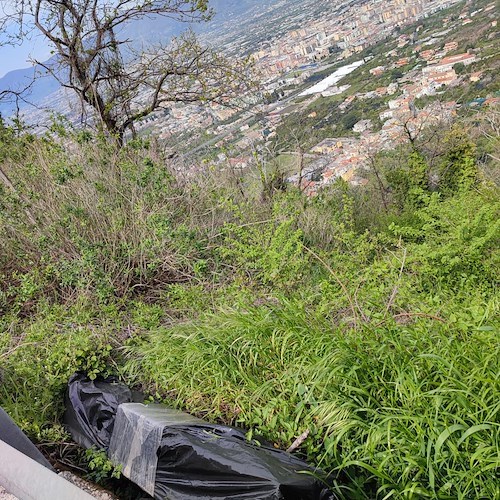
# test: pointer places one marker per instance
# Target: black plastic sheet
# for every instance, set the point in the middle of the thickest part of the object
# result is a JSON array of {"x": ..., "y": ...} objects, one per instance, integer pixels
[
  {"x": 173, "y": 455},
  {"x": 218, "y": 462},
  {"x": 91, "y": 407}
]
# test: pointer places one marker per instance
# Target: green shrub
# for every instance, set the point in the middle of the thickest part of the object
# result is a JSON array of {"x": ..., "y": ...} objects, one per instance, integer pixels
[
  {"x": 38, "y": 359},
  {"x": 456, "y": 238},
  {"x": 271, "y": 253},
  {"x": 100, "y": 467}
]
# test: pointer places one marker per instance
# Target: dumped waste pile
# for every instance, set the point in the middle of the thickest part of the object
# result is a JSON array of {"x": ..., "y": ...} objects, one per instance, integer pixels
[{"x": 171, "y": 454}]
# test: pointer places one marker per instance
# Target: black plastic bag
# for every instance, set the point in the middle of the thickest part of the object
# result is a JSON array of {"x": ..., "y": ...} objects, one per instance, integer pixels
[
  {"x": 91, "y": 407},
  {"x": 229, "y": 467},
  {"x": 173, "y": 455}
]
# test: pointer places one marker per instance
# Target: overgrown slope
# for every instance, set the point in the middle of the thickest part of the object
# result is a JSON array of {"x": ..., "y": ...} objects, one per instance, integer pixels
[{"x": 367, "y": 316}]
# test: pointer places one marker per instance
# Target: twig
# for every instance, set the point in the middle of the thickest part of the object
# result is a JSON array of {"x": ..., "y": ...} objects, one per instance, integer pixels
[
  {"x": 337, "y": 279},
  {"x": 395, "y": 289},
  {"x": 298, "y": 441},
  {"x": 8, "y": 353}
]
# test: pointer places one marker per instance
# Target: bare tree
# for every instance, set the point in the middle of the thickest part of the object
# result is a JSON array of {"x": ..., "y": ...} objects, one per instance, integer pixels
[
  {"x": 294, "y": 140},
  {"x": 15, "y": 98},
  {"x": 117, "y": 82}
]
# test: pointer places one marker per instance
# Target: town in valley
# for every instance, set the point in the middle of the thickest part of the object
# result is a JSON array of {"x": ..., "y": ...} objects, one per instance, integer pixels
[{"x": 335, "y": 85}]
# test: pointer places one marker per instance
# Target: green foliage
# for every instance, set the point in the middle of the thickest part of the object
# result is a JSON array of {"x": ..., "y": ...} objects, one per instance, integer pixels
[
  {"x": 271, "y": 252},
  {"x": 100, "y": 467},
  {"x": 458, "y": 169},
  {"x": 396, "y": 74},
  {"x": 459, "y": 238},
  {"x": 368, "y": 316},
  {"x": 459, "y": 68},
  {"x": 410, "y": 182},
  {"x": 147, "y": 315},
  {"x": 94, "y": 362},
  {"x": 38, "y": 360}
]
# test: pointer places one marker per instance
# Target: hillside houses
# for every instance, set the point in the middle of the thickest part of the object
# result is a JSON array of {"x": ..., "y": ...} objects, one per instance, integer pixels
[
  {"x": 342, "y": 157},
  {"x": 446, "y": 63},
  {"x": 328, "y": 146}
]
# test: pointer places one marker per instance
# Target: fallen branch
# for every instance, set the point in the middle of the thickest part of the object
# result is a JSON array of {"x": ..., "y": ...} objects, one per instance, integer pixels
[{"x": 298, "y": 441}]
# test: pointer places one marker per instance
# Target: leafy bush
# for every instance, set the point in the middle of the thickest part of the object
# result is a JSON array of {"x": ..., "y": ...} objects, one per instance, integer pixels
[
  {"x": 38, "y": 358},
  {"x": 459, "y": 238},
  {"x": 271, "y": 252}
]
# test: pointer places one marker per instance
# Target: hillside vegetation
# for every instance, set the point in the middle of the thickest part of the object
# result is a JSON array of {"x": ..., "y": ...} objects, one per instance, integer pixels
[{"x": 367, "y": 316}]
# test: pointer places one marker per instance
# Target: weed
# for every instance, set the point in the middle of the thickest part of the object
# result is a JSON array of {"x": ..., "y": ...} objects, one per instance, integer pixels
[{"x": 100, "y": 467}]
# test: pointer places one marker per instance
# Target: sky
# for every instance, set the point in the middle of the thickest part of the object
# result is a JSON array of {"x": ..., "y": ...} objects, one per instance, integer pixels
[{"x": 17, "y": 56}]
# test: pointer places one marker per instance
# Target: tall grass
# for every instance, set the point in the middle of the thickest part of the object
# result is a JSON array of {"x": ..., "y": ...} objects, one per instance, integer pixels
[
  {"x": 394, "y": 412},
  {"x": 79, "y": 216}
]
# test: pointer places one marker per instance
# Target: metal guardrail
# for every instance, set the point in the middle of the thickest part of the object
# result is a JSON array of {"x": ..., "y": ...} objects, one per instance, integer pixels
[
  {"x": 11, "y": 434},
  {"x": 28, "y": 480}
]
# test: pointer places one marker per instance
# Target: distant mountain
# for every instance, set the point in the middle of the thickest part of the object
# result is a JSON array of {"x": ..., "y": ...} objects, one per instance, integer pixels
[
  {"x": 164, "y": 28},
  {"x": 40, "y": 86},
  {"x": 144, "y": 31}
]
